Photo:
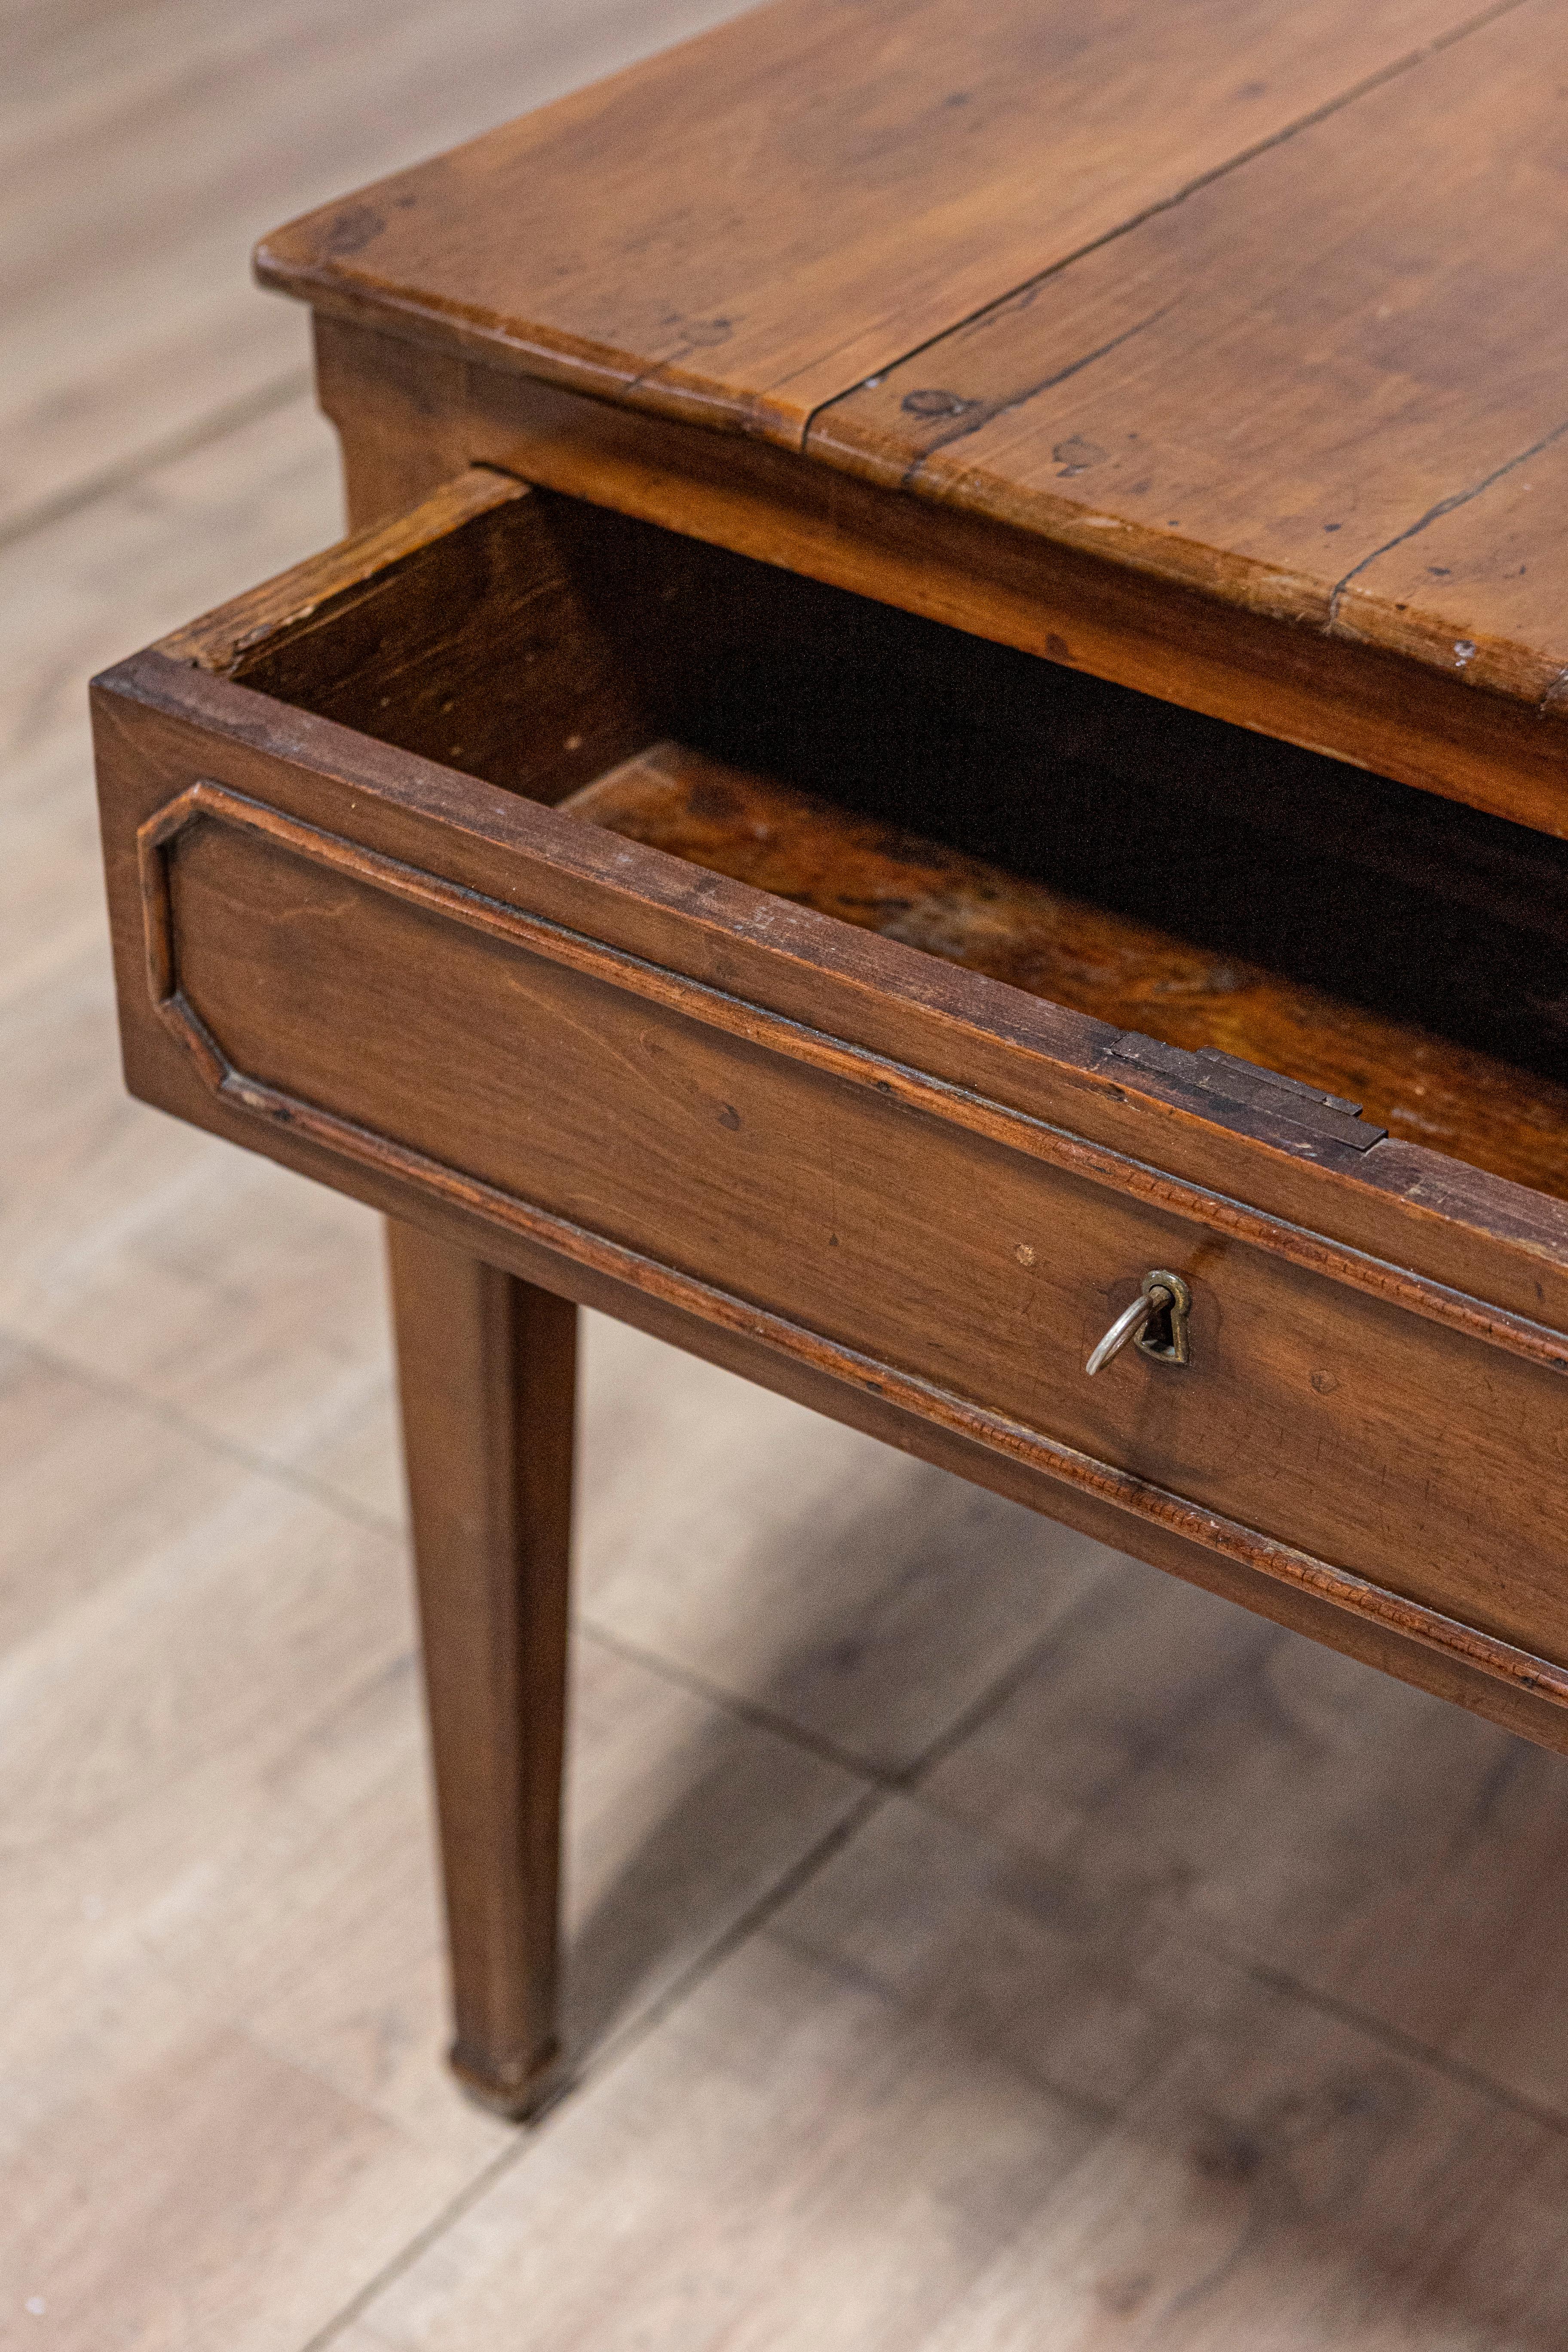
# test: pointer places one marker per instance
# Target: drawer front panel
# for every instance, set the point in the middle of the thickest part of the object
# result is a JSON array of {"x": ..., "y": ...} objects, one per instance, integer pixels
[{"x": 943, "y": 1238}]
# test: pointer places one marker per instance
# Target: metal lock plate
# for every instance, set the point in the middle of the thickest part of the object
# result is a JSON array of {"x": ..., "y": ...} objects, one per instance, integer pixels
[{"x": 1156, "y": 1323}]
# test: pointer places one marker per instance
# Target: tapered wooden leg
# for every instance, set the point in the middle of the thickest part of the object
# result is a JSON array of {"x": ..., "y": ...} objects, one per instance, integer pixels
[{"x": 486, "y": 1367}]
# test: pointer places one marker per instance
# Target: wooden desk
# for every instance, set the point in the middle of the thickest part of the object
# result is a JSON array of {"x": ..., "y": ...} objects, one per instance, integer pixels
[{"x": 949, "y": 695}]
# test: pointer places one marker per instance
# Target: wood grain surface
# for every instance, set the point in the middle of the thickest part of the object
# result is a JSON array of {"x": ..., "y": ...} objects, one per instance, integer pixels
[
  {"x": 1249, "y": 306},
  {"x": 1199, "y": 1989},
  {"x": 930, "y": 161},
  {"x": 1277, "y": 390}
]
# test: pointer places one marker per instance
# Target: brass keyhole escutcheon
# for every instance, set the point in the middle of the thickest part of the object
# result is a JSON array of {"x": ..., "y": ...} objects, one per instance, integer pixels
[{"x": 1156, "y": 1323}]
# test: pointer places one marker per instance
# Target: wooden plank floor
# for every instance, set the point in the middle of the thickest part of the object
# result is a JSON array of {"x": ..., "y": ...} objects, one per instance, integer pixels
[{"x": 979, "y": 1943}]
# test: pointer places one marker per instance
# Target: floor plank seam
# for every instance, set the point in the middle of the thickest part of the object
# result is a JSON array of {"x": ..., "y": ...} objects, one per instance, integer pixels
[
  {"x": 61, "y": 506},
  {"x": 756, "y": 1916},
  {"x": 226, "y": 1449},
  {"x": 745, "y": 1710},
  {"x": 1102, "y": 2115},
  {"x": 1406, "y": 2045},
  {"x": 891, "y": 1777},
  {"x": 407, "y": 2255},
  {"x": 989, "y": 1701},
  {"x": 603, "y": 2062}
]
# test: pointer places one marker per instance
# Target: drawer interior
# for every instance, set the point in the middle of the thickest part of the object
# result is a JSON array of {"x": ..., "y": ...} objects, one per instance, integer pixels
[{"x": 1170, "y": 874}]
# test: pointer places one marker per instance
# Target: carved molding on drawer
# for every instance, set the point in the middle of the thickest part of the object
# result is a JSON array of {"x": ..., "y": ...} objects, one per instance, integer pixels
[
  {"x": 689, "y": 1293},
  {"x": 1013, "y": 1129}
]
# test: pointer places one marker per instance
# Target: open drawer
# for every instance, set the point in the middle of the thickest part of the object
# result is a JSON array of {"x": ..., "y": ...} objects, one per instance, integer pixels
[{"x": 880, "y": 1011}]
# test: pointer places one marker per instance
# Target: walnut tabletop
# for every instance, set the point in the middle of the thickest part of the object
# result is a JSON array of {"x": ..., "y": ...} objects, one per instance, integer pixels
[{"x": 1260, "y": 308}]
